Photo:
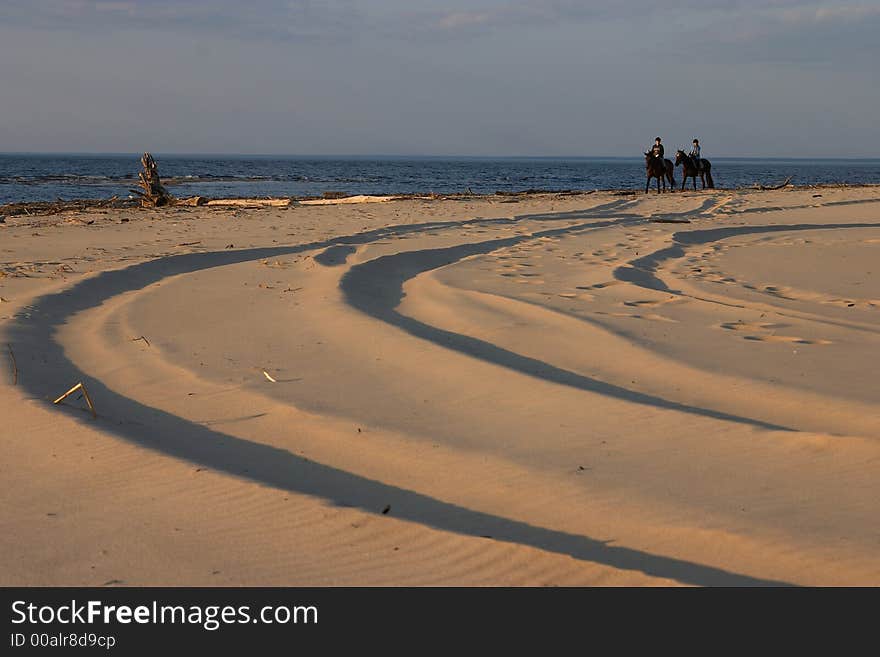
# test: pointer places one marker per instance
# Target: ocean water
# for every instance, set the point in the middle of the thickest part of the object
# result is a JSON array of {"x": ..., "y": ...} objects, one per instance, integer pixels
[{"x": 47, "y": 177}]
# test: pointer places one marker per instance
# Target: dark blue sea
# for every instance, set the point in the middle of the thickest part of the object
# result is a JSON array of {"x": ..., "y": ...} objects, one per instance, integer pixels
[{"x": 45, "y": 177}]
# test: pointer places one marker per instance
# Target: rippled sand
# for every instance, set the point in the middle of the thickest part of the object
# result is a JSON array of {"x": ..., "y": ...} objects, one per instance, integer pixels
[{"x": 563, "y": 390}]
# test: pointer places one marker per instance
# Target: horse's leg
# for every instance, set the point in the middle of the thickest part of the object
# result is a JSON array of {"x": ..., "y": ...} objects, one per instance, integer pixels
[
  {"x": 647, "y": 183},
  {"x": 695, "y": 181}
]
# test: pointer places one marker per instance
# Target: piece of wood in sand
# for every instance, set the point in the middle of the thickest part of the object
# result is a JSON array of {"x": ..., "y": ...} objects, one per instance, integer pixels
[
  {"x": 78, "y": 386},
  {"x": 14, "y": 365},
  {"x": 192, "y": 201},
  {"x": 765, "y": 188},
  {"x": 153, "y": 194},
  {"x": 361, "y": 198},
  {"x": 251, "y": 202}
]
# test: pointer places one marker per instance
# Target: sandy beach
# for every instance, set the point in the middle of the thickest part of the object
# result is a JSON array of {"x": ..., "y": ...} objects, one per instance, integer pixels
[{"x": 548, "y": 389}]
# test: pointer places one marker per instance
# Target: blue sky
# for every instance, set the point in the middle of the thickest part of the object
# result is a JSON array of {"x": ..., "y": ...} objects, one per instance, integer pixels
[{"x": 484, "y": 77}]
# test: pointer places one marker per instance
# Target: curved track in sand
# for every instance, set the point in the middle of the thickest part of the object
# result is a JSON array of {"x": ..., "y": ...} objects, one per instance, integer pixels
[{"x": 506, "y": 410}]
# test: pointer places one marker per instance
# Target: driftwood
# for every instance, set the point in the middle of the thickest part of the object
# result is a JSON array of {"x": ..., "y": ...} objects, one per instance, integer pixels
[
  {"x": 14, "y": 365},
  {"x": 78, "y": 386},
  {"x": 250, "y": 202},
  {"x": 56, "y": 207},
  {"x": 153, "y": 194},
  {"x": 360, "y": 198},
  {"x": 192, "y": 201},
  {"x": 765, "y": 188}
]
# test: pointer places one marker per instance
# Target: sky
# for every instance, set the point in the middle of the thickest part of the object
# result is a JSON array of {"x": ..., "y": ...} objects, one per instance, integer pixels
[{"x": 750, "y": 78}]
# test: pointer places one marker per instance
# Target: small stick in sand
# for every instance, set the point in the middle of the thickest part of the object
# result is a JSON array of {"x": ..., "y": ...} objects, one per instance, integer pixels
[
  {"x": 141, "y": 338},
  {"x": 14, "y": 365},
  {"x": 268, "y": 376},
  {"x": 79, "y": 386}
]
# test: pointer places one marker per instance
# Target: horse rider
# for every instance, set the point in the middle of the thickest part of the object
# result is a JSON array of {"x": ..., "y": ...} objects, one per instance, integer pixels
[
  {"x": 657, "y": 148},
  {"x": 695, "y": 154}
]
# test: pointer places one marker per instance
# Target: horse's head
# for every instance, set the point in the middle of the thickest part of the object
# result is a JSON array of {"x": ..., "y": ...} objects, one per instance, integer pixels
[{"x": 679, "y": 156}]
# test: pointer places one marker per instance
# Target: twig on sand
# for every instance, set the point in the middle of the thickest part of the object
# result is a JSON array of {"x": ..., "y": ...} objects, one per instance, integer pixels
[
  {"x": 766, "y": 188},
  {"x": 141, "y": 338},
  {"x": 78, "y": 386},
  {"x": 14, "y": 364},
  {"x": 268, "y": 376}
]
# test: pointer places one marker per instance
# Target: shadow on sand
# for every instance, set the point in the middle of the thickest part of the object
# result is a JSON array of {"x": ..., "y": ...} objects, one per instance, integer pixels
[
  {"x": 642, "y": 271},
  {"x": 43, "y": 363}
]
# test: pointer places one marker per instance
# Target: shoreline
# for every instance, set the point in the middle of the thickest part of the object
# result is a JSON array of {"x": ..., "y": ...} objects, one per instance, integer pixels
[{"x": 84, "y": 204}]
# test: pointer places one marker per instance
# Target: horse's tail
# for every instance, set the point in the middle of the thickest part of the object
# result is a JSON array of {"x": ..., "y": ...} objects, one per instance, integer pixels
[{"x": 709, "y": 182}]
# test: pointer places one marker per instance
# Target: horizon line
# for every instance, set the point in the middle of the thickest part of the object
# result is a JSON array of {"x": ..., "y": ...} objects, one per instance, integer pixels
[{"x": 220, "y": 154}]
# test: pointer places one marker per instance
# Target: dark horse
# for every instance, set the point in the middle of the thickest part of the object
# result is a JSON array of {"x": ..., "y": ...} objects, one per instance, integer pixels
[
  {"x": 661, "y": 170},
  {"x": 689, "y": 170}
]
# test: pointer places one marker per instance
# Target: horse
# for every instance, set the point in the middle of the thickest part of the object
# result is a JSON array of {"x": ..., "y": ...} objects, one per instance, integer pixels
[
  {"x": 661, "y": 171},
  {"x": 690, "y": 170},
  {"x": 670, "y": 173}
]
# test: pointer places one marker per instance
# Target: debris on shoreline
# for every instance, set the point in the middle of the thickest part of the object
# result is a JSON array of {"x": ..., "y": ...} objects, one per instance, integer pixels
[
  {"x": 58, "y": 206},
  {"x": 767, "y": 188},
  {"x": 154, "y": 193},
  {"x": 34, "y": 208}
]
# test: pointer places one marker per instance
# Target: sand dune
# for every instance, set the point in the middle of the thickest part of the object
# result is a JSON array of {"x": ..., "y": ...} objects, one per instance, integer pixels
[{"x": 442, "y": 392}]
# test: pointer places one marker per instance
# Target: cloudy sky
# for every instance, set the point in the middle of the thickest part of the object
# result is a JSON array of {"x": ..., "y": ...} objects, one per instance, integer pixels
[{"x": 444, "y": 77}]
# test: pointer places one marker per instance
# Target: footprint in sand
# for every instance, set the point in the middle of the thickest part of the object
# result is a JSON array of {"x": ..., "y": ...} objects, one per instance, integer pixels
[
  {"x": 652, "y": 303},
  {"x": 747, "y": 326},
  {"x": 778, "y": 291},
  {"x": 653, "y": 317},
  {"x": 639, "y": 304},
  {"x": 764, "y": 333},
  {"x": 853, "y": 303},
  {"x": 784, "y": 338},
  {"x": 598, "y": 286}
]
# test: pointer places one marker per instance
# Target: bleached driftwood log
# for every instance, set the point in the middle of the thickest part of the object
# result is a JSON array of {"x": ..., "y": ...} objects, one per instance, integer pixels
[{"x": 251, "y": 202}]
